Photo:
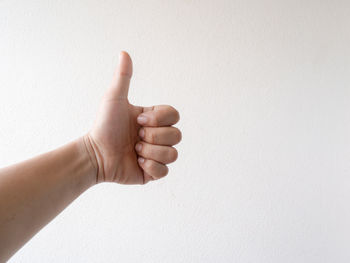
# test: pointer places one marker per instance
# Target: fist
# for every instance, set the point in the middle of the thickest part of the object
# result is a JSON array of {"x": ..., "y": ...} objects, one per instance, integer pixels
[{"x": 131, "y": 144}]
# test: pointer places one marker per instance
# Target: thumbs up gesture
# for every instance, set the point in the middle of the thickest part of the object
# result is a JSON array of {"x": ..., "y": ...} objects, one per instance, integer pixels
[{"x": 131, "y": 144}]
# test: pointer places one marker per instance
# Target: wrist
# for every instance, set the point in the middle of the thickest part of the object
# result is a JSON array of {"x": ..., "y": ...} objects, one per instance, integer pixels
[{"x": 94, "y": 156}]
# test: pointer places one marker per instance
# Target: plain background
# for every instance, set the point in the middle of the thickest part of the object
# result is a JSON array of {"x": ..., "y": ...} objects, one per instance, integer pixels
[{"x": 263, "y": 92}]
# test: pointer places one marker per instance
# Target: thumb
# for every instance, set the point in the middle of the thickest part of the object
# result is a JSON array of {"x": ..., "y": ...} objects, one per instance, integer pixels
[{"x": 121, "y": 78}]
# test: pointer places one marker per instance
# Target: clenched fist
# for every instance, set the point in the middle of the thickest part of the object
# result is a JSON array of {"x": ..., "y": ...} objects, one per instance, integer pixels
[{"x": 131, "y": 144}]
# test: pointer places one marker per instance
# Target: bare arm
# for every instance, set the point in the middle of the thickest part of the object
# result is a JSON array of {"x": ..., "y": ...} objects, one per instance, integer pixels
[
  {"x": 128, "y": 144},
  {"x": 33, "y": 192}
]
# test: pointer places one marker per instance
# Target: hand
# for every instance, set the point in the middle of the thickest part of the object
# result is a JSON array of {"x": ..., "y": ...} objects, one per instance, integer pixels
[{"x": 131, "y": 144}]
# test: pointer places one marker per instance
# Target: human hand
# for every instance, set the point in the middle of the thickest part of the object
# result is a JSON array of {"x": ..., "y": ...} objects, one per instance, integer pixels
[{"x": 131, "y": 144}]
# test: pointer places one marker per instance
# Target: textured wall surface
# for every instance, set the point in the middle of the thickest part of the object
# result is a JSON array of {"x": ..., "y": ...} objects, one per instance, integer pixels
[{"x": 263, "y": 173}]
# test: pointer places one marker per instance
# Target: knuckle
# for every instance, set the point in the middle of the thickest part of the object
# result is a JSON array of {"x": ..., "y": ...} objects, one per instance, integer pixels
[
  {"x": 124, "y": 74},
  {"x": 155, "y": 120},
  {"x": 171, "y": 110},
  {"x": 150, "y": 151},
  {"x": 153, "y": 137},
  {"x": 174, "y": 112}
]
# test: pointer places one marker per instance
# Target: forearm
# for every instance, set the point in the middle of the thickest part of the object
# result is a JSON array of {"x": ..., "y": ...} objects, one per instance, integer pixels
[{"x": 33, "y": 192}]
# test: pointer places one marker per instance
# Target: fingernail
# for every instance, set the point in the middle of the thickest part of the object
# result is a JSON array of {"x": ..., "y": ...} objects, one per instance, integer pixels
[
  {"x": 141, "y": 160},
  {"x": 142, "y": 133},
  {"x": 142, "y": 119},
  {"x": 138, "y": 147}
]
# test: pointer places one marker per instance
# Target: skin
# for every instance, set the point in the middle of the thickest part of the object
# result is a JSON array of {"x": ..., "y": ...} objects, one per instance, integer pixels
[{"x": 127, "y": 144}]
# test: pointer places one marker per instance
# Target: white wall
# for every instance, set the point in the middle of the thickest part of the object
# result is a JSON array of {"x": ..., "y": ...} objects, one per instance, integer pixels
[{"x": 263, "y": 89}]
